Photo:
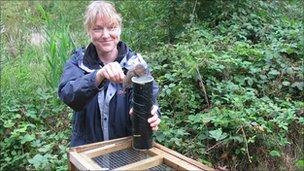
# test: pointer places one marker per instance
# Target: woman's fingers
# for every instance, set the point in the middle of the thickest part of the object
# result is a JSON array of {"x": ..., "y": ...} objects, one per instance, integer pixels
[
  {"x": 113, "y": 72},
  {"x": 131, "y": 111},
  {"x": 153, "y": 118},
  {"x": 155, "y": 128},
  {"x": 154, "y": 110},
  {"x": 116, "y": 70},
  {"x": 154, "y": 121}
]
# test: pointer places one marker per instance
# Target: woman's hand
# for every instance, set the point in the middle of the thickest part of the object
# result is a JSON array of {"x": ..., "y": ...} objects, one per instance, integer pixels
[
  {"x": 154, "y": 120},
  {"x": 112, "y": 71}
]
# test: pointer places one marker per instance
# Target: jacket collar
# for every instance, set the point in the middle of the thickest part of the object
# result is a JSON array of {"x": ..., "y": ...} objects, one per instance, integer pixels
[{"x": 92, "y": 61}]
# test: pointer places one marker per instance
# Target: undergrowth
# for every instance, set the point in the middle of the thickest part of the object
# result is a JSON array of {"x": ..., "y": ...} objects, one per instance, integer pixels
[{"x": 231, "y": 79}]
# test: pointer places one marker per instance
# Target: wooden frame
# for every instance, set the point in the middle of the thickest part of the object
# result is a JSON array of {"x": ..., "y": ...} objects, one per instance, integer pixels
[{"x": 81, "y": 157}]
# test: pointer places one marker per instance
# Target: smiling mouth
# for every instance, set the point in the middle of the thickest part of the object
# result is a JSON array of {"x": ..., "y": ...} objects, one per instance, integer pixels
[{"x": 105, "y": 42}]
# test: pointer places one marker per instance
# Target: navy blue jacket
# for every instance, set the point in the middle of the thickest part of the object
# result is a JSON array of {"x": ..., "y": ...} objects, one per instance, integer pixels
[{"x": 100, "y": 112}]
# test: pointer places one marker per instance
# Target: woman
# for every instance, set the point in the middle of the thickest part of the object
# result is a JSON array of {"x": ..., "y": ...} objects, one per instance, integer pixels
[{"x": 92, "y": 79}]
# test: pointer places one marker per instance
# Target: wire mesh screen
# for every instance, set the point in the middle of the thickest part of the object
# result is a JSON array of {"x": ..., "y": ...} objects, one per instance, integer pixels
[
  {"x": 120, "y": 158},
  {"x": 125, "y": 157}
]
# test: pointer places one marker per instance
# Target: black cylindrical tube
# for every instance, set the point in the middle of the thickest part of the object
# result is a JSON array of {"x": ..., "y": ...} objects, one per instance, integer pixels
[{"x": 142, "y": 105}]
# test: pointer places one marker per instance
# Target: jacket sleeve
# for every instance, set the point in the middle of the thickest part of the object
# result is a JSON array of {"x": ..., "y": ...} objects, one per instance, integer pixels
[{"x": 76, "y": 88}]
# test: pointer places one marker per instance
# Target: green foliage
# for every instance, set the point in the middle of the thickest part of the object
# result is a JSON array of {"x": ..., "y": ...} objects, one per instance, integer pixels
[
  {"x": 34, "y": 131},
  {"x": 254, "y": 83},
  {"x": 147, "y": 20},
  {"x": 249, "y": 55},
  {"x": 35, "y": 125},
  {"x": 156, "y": 21},
  {"x": 300, "y": 164}
]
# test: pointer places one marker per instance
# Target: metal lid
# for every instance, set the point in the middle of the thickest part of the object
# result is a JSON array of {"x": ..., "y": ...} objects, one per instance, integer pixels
[{"x": 142, "y": 79}]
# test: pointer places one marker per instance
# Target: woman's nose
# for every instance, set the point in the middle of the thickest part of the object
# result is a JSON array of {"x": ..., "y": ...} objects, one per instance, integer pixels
[{"x": 105, "y": 33}]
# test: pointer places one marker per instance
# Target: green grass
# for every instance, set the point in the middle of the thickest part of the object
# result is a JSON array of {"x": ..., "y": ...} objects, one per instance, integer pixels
[{"x": 249, "y": 54}]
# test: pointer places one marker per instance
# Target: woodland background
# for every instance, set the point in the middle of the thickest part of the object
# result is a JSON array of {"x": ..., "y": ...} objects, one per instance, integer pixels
[{"x": 230, "y": 73}]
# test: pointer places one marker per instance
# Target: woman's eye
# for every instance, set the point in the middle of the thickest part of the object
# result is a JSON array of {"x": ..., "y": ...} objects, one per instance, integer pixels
[{"x": 114, "y": 27}]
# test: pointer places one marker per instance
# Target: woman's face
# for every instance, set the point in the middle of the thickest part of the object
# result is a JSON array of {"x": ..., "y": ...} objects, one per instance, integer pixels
[{"x": 104, "y": 35}]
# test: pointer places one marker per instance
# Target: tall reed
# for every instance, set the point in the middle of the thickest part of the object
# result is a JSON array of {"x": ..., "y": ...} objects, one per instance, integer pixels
[{"x": 58, "y": 48}]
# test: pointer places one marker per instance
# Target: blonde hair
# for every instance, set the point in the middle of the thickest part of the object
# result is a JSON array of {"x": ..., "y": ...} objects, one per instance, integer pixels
[{"x": 103, "y": 9}]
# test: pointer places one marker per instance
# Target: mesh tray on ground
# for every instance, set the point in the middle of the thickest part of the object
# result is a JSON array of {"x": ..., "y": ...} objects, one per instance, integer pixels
[
  {"x": 124, "y": 157},
  {"x": 118, "y": 154}
]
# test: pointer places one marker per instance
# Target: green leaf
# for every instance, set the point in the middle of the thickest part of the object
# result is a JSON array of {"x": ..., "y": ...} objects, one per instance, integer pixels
[
  {"x": 217, "y": 134},
  {"x": 38, "y": 160},
  {"x": 301, "y": 120},
  {"x": 299, "y": 85},
  {"x": 45, "y": 148},
  {"x": 36, "y": 143},
  {"x": 273, "y": 72},
  {"x": 194, "y": 118},
  {"x": 285, "y": 83},
  {"x": 32, "y": 114},
  {"x": 275, "y": 153},
  {"x": 237, "y": 139},
  {"x": 27, "y": 138},
  {"x": 160, "y": 137},
  {"x": 300, "y": 163},
  {"x": 8, "y": 124}
]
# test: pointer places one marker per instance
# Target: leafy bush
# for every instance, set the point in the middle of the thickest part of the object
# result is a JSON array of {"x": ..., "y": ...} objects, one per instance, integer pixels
[
  {"x": 34, "y": 131},
  {"x": 34, "y": 124},
  {"x": 255, "y": 88},
  {"x": 231, "y": 78}
]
